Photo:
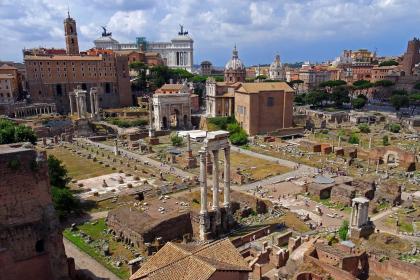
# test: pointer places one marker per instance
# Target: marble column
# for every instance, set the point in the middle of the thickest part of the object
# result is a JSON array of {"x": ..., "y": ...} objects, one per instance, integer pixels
[
  {"x": 96, "y": 97},
  {"x": 92, "y": 106},
  {"x": 226, "y": 178},
  {"x": 78, "y": 106},
  {"x": 203, "y": 182},
  {"x": 215, "y": 180}
]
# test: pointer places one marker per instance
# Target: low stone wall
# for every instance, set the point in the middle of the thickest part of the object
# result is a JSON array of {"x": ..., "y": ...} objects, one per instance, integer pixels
[
  {"x": 394, "y": 269},
  {"x": 253, "y": 235}
]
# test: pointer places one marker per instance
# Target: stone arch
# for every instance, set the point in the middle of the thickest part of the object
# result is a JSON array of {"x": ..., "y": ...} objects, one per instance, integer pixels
[{"x": 164, "y": 123}]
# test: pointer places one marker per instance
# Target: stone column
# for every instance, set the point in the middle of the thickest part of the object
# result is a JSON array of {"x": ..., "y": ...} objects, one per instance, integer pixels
[
  {"x": 226, "y": 201},
  {"x": 92, "y": 106},
  {"x": 203, "y": 182},
  {"x": 215, "y": 180},
  {"x": 96, "y": 97},
  {"x": 204, "y": 217},
  {"x": 78, "y": 106}
]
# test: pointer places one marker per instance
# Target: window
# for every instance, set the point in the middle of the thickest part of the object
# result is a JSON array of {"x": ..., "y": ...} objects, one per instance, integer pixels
[
  {"x": 39, "y": 246},
  {"x": 270, "y": 101},
  {"x": 58, "y": 90},
  {"x": 107, "y": 88}
]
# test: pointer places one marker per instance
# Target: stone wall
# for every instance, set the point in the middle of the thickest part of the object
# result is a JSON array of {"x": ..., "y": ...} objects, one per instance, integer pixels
[
  {"x": 31, "y": 243},
  {"x": 394, "y": 269}
]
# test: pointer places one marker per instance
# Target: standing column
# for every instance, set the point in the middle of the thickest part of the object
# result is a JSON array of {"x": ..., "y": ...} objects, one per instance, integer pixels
[
  {"x": 96, "y": 97},
  {"x": 203, "y": 182},
  {"x": 78, "y": 105},
  {"x": 92, "y": 106},
  {"x": 215, "y": 180},
  {"x": 226, "y": 176}
]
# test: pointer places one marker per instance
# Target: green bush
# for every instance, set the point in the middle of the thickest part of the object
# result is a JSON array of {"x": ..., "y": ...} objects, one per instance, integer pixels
[
  {"x": 11, "y": 132},
  {"x": 364, "y": 128},
  {"x": 343, "y": 230},
  {"x": 354, "y": 139},
  {"x": 221, "y": 122},
  {"x": 394, "y": 127},
  {"x": 239, "y": 138},
  {"x": 385, "y": 140},
  {"x": 176, "y": 140},
  {"x": 358, "y": 103}
]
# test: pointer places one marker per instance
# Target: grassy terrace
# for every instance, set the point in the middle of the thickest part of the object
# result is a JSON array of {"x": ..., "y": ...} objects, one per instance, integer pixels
[
  {"x": 79, "y": 168},
  {"x": 97, "y": 232}
]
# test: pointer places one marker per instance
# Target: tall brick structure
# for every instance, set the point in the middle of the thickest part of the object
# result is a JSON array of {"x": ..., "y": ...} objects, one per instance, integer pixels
[
  {"x": 51, "y": 77},
  {"x": 31, "y": 244},
  {"x": 411, "y": 56}
]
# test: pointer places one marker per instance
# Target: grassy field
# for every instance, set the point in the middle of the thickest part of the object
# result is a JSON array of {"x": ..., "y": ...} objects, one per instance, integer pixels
[
  {"x": 255, "y": 167},
  {"x": 79, "y": 168},
  {"x": 97, "y": 232}
]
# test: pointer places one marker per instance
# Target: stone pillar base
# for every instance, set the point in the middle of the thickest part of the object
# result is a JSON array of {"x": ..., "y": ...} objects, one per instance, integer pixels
[{"x": 204, "y": 226}]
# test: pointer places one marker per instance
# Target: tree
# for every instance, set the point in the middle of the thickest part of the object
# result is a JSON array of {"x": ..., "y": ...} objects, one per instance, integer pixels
[
  {"x": 417, "y": 86},
  {"x": 364, "y": 128},
  {"x": 11, "y": 132},
  {"x": 176, "y": 140},
  {"x": 63, "y": 199},
  {"x": 316, "y": 98},
  {"x": 354, "y": 139},
  {"x": 388, "y": 63},
  {"x": 332, "y": 83},
  {"x": 141, "y": 80},
  {"x": 339, "y": 96},
  {"x": 64, "y": 202},
  {"x": 299, "y": 99},
  {"x": 358, "y": 103},
  {"x": 385, "y": 140},
  {"x": 57, "y": 172},
  {"x": 399, "y": 101},
  {"x": 261, "y": 77},
  {"x": 384, "y": 83},
  {"x": 343, "y": 230}
]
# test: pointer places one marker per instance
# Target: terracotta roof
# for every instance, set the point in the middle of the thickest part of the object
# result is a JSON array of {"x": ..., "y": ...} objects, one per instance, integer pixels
[
  {"x": 191, "y": 261},
  {"x": 172, "y": 87},
  {"x": 62, "y": 57},
  {"x": 7, "y": 67},
  {"x": 260, "y": 87}
]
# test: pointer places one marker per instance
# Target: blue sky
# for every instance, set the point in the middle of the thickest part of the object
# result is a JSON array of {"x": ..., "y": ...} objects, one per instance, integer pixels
[{"x": 314, "y": 30}]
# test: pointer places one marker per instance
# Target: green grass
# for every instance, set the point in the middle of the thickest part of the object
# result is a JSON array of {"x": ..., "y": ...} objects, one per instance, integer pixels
[
  {"x": 96, "y": 232},
  {"x": 78, "y": 167}
]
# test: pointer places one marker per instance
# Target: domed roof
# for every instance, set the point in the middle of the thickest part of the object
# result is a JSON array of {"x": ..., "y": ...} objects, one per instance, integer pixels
[
  {"x": 276, "y": 63},
  {"x": 235, "y": 63}
]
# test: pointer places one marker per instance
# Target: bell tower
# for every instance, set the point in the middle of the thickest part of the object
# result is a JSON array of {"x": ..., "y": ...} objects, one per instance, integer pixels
[{"x": 70, "y": 33}]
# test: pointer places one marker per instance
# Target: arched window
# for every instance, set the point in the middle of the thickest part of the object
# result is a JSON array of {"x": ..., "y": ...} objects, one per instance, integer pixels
[{"x": 39, "y": 246}]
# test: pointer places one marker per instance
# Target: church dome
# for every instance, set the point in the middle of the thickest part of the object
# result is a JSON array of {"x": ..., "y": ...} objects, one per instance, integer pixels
[
  {"x": 276, "y": 64},
  {"x": 234, "y": 63}
]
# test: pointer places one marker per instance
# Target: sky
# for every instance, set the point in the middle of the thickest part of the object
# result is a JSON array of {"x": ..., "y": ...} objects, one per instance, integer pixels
[{"x": 298, "y": 30}]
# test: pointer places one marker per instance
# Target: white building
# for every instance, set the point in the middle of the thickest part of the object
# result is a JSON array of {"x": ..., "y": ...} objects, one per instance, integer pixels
[
  {"x": 178, "y": 53},
  {"x": 276, "y": 70}
]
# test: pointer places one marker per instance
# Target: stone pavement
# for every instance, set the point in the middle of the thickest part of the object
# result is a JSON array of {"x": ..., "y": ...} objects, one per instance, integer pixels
[{"x": 86, "y": 263}]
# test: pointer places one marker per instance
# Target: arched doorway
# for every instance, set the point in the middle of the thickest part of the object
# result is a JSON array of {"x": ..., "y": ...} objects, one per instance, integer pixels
[
  {"x": 175, "y": 118},
  {"x": 185, "y": 122}
]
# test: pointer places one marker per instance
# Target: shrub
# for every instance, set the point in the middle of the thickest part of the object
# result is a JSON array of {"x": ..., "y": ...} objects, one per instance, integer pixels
[
  {"x": 385, "y": 140},
  {"x": 358, "y": 103},
  {"x": 176, "y": 140},
  {"x": 343, "y": 230},
  {"x": 239, "y": 138},
  {"x": 394, "y": 127},
  {"x": 364, "y": 128},
  {"x": 354, "y": 139}
]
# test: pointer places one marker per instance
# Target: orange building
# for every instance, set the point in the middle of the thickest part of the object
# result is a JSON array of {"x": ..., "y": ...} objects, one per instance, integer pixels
[{"x": 264, "y": 107}]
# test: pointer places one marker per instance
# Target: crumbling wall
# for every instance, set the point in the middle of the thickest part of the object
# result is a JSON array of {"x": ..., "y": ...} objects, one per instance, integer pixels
[{"x": 394, "y": 269}]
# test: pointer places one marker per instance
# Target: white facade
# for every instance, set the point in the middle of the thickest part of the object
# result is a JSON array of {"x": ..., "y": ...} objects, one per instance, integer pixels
[
  {"x": 276, "y": 70},
  {"x": 178, "y": 53}
]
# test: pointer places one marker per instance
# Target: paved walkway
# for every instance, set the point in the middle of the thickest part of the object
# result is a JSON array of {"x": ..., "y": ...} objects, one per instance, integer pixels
[{"x": 87, "y": 264}]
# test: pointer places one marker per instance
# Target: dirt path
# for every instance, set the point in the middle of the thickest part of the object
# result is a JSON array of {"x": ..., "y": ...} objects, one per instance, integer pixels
[{"x": 88, "y": 265}]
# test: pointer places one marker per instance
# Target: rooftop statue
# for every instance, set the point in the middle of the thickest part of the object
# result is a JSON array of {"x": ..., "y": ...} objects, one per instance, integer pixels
[{"x": 105, "y": 34}]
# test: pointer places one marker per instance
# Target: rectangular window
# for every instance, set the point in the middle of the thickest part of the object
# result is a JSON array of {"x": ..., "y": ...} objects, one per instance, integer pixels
[{"x": 270, "y": 101}]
